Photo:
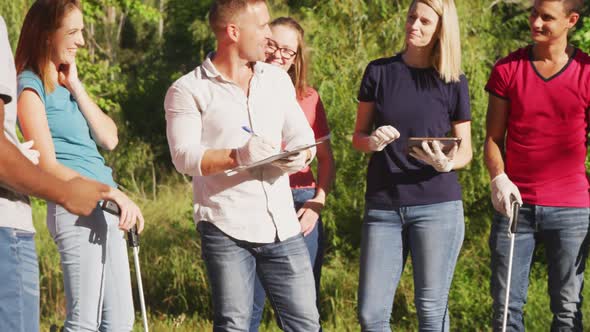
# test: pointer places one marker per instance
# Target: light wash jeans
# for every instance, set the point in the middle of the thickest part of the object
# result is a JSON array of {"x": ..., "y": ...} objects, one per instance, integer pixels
[
  {"x": 433, "y": 235},
  {"x": 19, "y": 288},
  {"x": 315, "y": 245},
  {"x": 284, "y": 270},
  {"x": 563, "y": 232},
  {"x": 95, "y": 266}
]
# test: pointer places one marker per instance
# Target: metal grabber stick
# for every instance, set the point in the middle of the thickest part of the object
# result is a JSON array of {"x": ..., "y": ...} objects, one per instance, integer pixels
[
  {"x": 133, "y": 241},
  {"x": 511, "y": 234}
]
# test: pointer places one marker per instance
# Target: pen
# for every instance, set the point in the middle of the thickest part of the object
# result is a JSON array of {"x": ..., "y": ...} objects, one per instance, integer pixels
[{"x": 247, "y": 129}]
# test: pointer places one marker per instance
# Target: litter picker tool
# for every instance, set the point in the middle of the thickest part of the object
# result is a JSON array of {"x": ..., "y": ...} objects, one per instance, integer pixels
[
  {"x": 511, "y": 234},
  {"x": 133, "y": 241}
]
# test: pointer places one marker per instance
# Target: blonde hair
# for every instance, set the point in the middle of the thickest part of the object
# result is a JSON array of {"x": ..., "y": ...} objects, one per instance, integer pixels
[
  {"x": 298, "y": 71},
  {"x": 446, "y": 55}
]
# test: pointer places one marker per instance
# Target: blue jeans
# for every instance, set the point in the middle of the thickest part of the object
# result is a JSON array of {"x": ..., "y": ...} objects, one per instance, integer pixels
[
  {"x": 315, "y": 244},
  {"x": 563, "y": 233},
  {"x": 433, "y": 235},
  {"x": 95, "y": 266},
  {"x": 283, "y": 268},
  {"x": 19, "y": 289}
]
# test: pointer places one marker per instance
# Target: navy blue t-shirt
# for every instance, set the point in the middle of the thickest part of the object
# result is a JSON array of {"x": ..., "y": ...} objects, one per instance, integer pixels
[{"x": 418, "y": 103}]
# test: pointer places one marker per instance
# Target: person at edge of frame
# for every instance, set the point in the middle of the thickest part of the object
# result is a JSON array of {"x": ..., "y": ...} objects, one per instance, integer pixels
[
  {"x": 55, "y": 110},
  {"x": 535, "y": 148},
  {"x": 19, "y": 267}
]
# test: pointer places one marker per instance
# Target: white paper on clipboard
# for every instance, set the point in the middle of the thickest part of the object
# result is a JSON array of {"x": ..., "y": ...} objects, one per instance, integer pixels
[{"x": 281, "y": 155}]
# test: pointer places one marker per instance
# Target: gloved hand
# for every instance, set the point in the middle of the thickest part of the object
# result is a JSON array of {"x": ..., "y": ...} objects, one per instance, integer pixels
[
  {"x": 381, "y": 137},
  {"x": 256, "y": 149},
  {"x": 435, "y": 157},
  {"x": 26, "y": 149},
  {"x": 502, "y": 191},
  {"x": 293, "y": 163}
]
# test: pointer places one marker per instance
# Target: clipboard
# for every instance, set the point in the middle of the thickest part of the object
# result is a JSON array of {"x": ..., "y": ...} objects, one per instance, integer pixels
[{"x": 278, "y": 156}]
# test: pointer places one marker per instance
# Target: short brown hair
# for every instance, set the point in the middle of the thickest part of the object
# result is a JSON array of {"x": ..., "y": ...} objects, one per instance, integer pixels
[
  {"x": 571, "y": 6},
  {"x": 43, "y": 19},
  {"x": 223, "y": 11}
]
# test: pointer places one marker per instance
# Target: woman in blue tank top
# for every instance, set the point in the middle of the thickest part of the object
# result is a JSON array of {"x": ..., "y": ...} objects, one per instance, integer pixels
[
  {"x": 55, "y": 111},
  {"x": 413, "y": 197}
]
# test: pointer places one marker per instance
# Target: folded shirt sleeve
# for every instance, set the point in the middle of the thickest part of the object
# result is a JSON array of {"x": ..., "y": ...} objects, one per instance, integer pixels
[
  {"x": 499, "y": 80},
  {"x": 296, "y": 129},
  {"x": 27, "y": 80},
  {"x": 320, "y": 124},
  {"x": 183, "y": 130}
]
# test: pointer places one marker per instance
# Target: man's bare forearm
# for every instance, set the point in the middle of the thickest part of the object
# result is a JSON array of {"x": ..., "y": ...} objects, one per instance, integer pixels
[
  {"x": 217, "y": 161},
  {"x": 496, "y": 122},
  {"x": 19, "y": 174},
  {"x": 493, "y": 157}
]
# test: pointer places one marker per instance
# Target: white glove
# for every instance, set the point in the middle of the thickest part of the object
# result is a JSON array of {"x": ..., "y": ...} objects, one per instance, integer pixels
[
  {"x": 502, "y": 192},
  {"x": 26, "y": 149},
  {"x": 435, "y": 157},
  {"x": 256, "y": 149},
  {"x": 292, "y": 164},
  {"x": 381, "y": 137}
]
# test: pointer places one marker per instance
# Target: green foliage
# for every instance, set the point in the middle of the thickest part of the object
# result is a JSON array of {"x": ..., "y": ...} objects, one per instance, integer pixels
[
  {"x": 582, "y": 37},
  {"x": 137, "y": 48},
  {"x": 14, "y": 12}
]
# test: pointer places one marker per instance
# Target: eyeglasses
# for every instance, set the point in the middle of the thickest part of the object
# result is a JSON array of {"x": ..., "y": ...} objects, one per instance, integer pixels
[{"x": 285, "y": 53}]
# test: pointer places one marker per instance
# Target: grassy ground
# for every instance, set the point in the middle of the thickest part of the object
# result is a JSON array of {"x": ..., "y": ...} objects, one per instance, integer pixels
[{"x": 176, "y": 285}]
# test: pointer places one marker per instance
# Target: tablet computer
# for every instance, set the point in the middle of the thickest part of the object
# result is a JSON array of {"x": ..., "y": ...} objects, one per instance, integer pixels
[
  {"x": 447, "y": 142},
  {"x": 278, "y": 156}
]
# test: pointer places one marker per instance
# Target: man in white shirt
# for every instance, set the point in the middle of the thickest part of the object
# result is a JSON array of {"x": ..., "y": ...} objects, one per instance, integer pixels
[
  {"x": 19, "y": 289},
  {"x": 231, "y": 111}
]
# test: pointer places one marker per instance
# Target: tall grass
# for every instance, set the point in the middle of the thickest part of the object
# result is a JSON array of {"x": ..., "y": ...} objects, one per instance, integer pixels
[{"x": 177, "y": 295}]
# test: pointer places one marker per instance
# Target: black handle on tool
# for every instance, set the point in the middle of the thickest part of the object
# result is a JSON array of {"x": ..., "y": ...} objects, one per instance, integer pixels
[
  {"x": 132, "y": 235},
  {"x": 515, "y": 212}
]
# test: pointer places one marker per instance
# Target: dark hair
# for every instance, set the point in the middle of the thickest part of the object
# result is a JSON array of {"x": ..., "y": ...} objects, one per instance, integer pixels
[
  {"x": 43, "y": 19},
  {"x": 298, "y": 70},
  {"x": 223, "y": 11},
  {"x": 573, "y": 6}
]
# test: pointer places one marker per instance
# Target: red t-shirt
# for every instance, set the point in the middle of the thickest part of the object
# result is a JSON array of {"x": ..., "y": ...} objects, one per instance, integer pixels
[
  {"x": 312, "y": 107},
  {"x": 547, "y": 128}
]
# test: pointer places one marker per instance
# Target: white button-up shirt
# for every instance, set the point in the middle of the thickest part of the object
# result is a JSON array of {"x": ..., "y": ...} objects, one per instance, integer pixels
[
  {"x": 206, "y": 111},
  {"x": 15, "y": 211}
]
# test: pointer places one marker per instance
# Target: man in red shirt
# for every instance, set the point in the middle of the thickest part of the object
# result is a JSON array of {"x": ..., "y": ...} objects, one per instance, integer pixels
[{"x": 535, "y": 150}]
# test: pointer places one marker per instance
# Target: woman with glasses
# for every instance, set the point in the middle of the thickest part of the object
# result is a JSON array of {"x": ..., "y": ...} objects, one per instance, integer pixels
[
  {"x": 286, "y": 49},
  {"x": 413, "y": 197}
]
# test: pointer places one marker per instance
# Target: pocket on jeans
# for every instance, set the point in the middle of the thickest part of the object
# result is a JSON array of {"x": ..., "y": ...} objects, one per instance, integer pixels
[
  {"x": 61, "y": 221},
  {"x": 23, "y": 235},
  {"x": 500, "y": 221},
  {"x": 374, "y": 215},
  {"x": 210, "y": 231},
  {"x": 50, "y": 219},
  {"x": 206, "y": 228}
]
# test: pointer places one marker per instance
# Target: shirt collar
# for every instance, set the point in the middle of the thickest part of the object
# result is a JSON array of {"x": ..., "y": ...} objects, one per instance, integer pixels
[
  {"x": 209, "y": 67},
  {"x": 212, "y": 72}
]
